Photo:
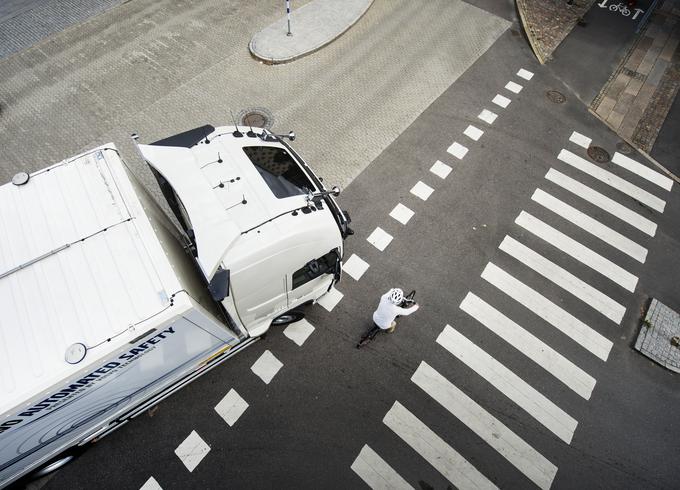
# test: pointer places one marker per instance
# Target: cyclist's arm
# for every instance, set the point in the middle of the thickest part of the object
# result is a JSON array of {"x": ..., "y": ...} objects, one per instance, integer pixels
[{"x": 407, "y": 311}]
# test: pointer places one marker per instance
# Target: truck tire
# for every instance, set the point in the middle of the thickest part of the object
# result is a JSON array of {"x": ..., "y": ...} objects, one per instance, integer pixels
[{"x": 288, "y": 317}]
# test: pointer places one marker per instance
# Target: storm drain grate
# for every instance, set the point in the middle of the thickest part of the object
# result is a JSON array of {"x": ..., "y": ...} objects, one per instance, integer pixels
[
  {"x": 598, "y": 154},
  {"x": 257, "y": 117},
  {"x": 555, "y": 97}
]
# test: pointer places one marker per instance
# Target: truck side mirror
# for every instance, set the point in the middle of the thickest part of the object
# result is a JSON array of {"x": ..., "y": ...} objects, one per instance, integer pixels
[{"x": 219, "y": 285}]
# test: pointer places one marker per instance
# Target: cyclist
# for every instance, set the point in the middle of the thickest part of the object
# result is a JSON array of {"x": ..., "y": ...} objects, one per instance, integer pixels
[{"x": 384, "y": 317}]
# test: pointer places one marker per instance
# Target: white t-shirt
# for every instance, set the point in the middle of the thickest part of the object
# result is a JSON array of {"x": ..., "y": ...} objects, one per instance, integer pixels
[{"x": 388, "y": 311}]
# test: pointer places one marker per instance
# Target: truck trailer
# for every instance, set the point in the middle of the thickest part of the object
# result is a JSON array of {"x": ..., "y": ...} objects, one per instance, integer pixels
[{"x": 115, "y": 294}]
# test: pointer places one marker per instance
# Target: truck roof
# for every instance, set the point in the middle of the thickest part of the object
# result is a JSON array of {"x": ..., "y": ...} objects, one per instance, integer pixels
[
  {"x": 79, "y": 263},
  {"x": 228, "y": 185}
]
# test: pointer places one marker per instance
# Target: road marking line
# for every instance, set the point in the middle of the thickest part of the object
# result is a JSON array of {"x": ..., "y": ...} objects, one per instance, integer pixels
[
  {"x": 536, "y": 350},
  {"x": 440, "y": 169},
  {"x": 330, "y": 299},
  {"x": 580, "y": 139},
  {"x": 501, "y": 101},
  {"x": 566, "y": 280},
  {"x": 643, "y": 171},
  {"x": 401, "y": 213},
  {"x": 526, "y": 74},
  {"x": 192, "y": 450},
  {"x": 231, "y": 407},
  {"x": 457, "y": 150},
  {"x": 434, "y": 449},
  {"x": 355, "y": 266},
  {"x": 376, "y": 473},
  {"x": 266, "y": 366},
  {"x": 473, "y": 132},
  {"x": 492, "y": 431},
  {"x": 299, "y": 331},
  {"x": 580, "y": 252},
  {"x": 513, "y": 87},
  {"x": 515, "y": 388},
  {"x": 380, "y": 239},
  {"x": 592, "y": 226},
  {"x": 612, "y": 180},
  {"x": 603, "y": 202},
  {"x": 566, "y": 323},
  {"x": 487, "y": 116},
  {"x": 151, "y": 484},
  {"x": 422, "y": 190}
]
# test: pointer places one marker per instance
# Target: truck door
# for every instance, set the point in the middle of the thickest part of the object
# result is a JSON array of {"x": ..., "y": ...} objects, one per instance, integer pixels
[
  {"x": 312, "y": 279},
  {"x": 259, "y": 292}
]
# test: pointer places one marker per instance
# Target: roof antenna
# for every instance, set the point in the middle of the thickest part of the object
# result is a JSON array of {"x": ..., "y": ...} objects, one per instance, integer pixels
[
  {"x": 219, "y": 158},
  {"x": 207, "y": 141},
  {"x": 237, "y": 133},
  {"x": 251, "y": 133}
]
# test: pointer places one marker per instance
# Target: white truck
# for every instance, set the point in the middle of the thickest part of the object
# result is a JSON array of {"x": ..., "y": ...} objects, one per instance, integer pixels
[{"x": 108, "y": 304}]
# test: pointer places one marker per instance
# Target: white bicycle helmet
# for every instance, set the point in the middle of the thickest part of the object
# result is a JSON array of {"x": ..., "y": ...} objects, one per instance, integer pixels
[{"x": 396, "y": 296}]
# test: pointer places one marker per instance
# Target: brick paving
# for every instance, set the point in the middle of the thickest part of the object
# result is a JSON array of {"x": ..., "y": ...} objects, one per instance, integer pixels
[
  {"x": 660, "y": 326},
  {"x": 636, "y": 99}
]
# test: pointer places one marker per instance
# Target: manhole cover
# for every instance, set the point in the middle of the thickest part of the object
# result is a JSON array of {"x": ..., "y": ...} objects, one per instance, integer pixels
[
  {"x": 556, "y": 97},
  {"x": 598, "y": 154},
  {"x": 624, "y": 148},
  {"x": 257, "y": 117}
]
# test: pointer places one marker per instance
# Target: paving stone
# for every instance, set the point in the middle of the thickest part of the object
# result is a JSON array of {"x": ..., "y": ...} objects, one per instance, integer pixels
[{"x": 654, "y": 340}]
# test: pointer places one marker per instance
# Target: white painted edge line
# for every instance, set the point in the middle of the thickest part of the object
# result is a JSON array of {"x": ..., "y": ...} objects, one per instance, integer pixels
[
  {"x": 330, "y": 300},
  {"x": 492, "y": 431},
  {"x": 515, "y": 388},
  {"x": 231, "y": 407},
  {"x": 501, "y": 101},
  {"x": 643, "y": 171},
  {"x": 151, "y": 484},
  {"x": 525, "y": 74},
  {"x": 487, "y": 116},
  {"x": 380, "y": 239},
  {"x": 192, "y": 450},
  {"x": 536, "y": 350},
  {"x": 473, "y": 132},
  {"x": 565, "y": 279},
  {"x": 603, "y": 202},
  {"x": 376, "y": 473},
  {"x": 457, "y": 150},
  {"x": 434, "y": 449},
  {"x": 422, "y": 190},
  {"x": 440, "y": 169},
  {"x": 299, "y": 331},
  {"x": 513, "y": 87},
  {"x": 580, "y": 140},
  {"x": 266, "y": 366},
  {"x": 578, "y": 251},
  {"x": 612, "y": 180},
  {"x": 355, "y": 266},
  {"x": 541, "y": 306},
  {"x": 590, "y": 225}
]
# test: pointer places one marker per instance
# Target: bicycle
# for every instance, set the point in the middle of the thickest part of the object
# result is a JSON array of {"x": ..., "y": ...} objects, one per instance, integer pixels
[{"x": 407, "y": 302}]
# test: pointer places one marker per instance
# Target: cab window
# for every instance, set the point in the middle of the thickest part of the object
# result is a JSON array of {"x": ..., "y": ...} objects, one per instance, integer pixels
[
  {"x": 280, "y": 171},
  {"x": 315, "y": 268}
]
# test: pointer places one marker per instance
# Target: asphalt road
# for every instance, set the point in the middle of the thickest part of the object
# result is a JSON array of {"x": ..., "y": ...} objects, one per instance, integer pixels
[{"x": 308, "y": 425}]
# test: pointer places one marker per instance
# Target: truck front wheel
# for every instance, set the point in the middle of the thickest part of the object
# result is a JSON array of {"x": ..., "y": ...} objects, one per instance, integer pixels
[{"x": 288, "y": 317}]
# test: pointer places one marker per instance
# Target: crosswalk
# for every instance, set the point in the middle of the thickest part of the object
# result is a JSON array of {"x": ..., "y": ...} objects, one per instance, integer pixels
[{"x": 585, "y": 231}]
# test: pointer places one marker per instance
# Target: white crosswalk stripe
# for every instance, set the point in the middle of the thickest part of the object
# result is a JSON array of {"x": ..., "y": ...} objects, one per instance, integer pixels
[
  {"x": 566, "y": 323},
  {"x": 565, "y": 279},
  {"x": 520, "y": 454},
  {"x": 592, "y": 226},
  {"x": 515, "y": 388},
  {"x": 603, "y": 202},
  {"x": 643, "y": 171},
  {"x": 376, "y": 473},
  {"x": 612, "y": 180},
  {"x": 434, "y": 450},
  {"x": 536, "y": 350},
  {"x": 578, "y": 251}
]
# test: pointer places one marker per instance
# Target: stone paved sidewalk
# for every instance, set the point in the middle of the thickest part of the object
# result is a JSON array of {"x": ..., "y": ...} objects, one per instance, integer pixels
[
  {"x": 660, "y": 326},
  {"x": 636, "y": 99}
]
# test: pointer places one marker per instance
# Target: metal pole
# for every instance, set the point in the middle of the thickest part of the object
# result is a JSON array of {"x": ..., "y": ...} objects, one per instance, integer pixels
[{"x": 288, "y": 14}]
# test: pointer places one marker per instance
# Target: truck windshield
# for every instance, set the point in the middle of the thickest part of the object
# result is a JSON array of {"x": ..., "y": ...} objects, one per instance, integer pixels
[{"x": 280, "y": 171}]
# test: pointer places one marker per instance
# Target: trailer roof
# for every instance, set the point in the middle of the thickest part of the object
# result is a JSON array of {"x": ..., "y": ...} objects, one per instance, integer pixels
[{"x": 79, "y": 263}]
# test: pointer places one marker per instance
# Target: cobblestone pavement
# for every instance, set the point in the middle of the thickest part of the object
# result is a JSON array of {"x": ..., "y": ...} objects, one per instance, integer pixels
[
  {"x": 548, "y": 22},
  {"x": 160, "y": 67},
  {"x": 639, "y": 94},
  {"x": 660, "y": 326}
]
